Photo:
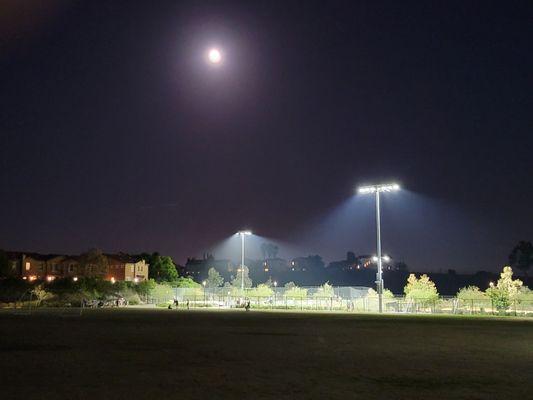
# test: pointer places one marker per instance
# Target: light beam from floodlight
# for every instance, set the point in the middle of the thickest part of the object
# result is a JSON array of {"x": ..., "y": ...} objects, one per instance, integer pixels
[{"x": 377, "y": 189}]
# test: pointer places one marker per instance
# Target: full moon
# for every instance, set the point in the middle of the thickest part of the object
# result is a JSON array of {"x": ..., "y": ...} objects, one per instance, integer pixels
[{"x": 214, "y": 56}]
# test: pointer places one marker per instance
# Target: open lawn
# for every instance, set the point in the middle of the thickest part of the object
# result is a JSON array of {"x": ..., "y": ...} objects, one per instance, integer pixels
[{"x": 162, "y": 354}]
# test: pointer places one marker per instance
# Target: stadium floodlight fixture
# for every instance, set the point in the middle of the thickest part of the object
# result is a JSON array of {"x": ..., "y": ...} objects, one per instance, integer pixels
[
  {"x": 387, "y": 187},
  {"x": 376, "y": 190},
  {"x": 242, "y": 234},
  {"x": 384, "y": 258}
]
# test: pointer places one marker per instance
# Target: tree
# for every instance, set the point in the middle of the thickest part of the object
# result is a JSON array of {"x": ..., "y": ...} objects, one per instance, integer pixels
[
  {"x": 95, "y": 259},
  {"x": 423, "y": 289},
  {"x": 401, "y": 266},
  {"x": 237, "y": 281},
  {"x": 5, "y": 268},
  {"x": 521, "y": 256},
  {"x": 290, "y": 285},
  {"x": 387, "y": 294},
  {"x": 187, "y": 282},
  {"x": 162, "y": 269},
  {"x": 262, "y": 290},
  {"x": 505, "y": 291},
  {"x": 269, "y": 250},
  {"x": 525, "y": 295},
  {"x": 295, "y": 292},
  {"x": 269, "y": 282},
  {"x": 41, "y": 294},
  {"x": 471, "y": 293},
  {"x": 325, "y": 291},
  {"x": 214, "y": 279},
  {"x": 145, "y": 287}
]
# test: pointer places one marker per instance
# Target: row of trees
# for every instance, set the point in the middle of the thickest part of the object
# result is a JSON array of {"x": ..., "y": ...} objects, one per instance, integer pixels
[{"x": 501, "y": 294}]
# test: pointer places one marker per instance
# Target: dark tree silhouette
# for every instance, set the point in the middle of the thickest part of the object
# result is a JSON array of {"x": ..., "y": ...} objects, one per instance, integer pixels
[{"x": 521, "y": 256}]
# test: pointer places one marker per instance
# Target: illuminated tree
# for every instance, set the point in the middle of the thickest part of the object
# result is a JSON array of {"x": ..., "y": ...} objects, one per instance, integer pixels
[
  {"x": 471, "y": 293},
  {"x": 422, "y": 289},
  {"x": 295, "y": 292},
  {"x": 262, "y": 290},
  {"x": 505, "y": 291},
  {"x": 237, "y": 281},
  {"x": 162, "y": 269},
  {"x": 214, "y": 279},
  {"x": 387, "y": 294},
  {"x": 325, "y": 291},
  {"x": 41, "y": 294}
]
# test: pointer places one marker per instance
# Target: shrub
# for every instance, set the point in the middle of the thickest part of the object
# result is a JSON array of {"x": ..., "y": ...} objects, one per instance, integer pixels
[{"x": 471, "y": 293}]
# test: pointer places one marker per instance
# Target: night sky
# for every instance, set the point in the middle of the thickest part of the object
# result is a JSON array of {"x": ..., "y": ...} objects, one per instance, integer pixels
[{"x": 116, "y": 132}]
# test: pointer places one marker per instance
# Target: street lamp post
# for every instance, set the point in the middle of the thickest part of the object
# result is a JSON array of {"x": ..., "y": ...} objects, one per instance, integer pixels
[
  {"x": 377, "y": 189},
  {"x": 242, "y": 234}
]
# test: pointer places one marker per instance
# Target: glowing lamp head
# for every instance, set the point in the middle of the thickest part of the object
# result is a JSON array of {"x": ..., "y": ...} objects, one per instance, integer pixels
[
  {"x": 214, "y": 56},
  {"x": 389, "y": 187},
  {"x": 244, "y": 233}
]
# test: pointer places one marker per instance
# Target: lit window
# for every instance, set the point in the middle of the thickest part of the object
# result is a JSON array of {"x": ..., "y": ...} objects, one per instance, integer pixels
[{"x": 28, "y": 266}]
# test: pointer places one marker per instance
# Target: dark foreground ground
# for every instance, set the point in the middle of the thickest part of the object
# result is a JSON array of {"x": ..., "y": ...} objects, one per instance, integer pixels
[{"x": 167, "y": 354}]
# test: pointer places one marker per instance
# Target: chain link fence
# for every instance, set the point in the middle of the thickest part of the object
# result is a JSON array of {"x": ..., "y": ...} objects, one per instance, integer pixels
[{"x": 344, "y": 298}]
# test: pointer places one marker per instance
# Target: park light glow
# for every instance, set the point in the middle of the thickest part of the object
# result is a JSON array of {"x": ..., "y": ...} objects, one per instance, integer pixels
[
  {"x": 376, "y": 190},
  {"x": 136, "y": 280},
  {"x": 75, "y": 279},
  {"x": 214, "y": 56},
  {"x": 388, "y": 187}
]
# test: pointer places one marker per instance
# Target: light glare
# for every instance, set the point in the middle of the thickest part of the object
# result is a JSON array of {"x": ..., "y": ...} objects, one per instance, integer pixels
[
  {"x": 389, "y": 187},
  {"x": 214, "y": 56}
]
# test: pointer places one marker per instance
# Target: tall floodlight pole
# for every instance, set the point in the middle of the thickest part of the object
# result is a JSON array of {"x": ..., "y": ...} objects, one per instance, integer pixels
[
  {"x": 242, "y": 234},
  {"x": 377, "y": 189}
]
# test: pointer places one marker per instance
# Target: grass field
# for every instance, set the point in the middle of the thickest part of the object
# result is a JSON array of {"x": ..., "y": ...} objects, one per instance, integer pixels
[{"x": 162, "y": 354}]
